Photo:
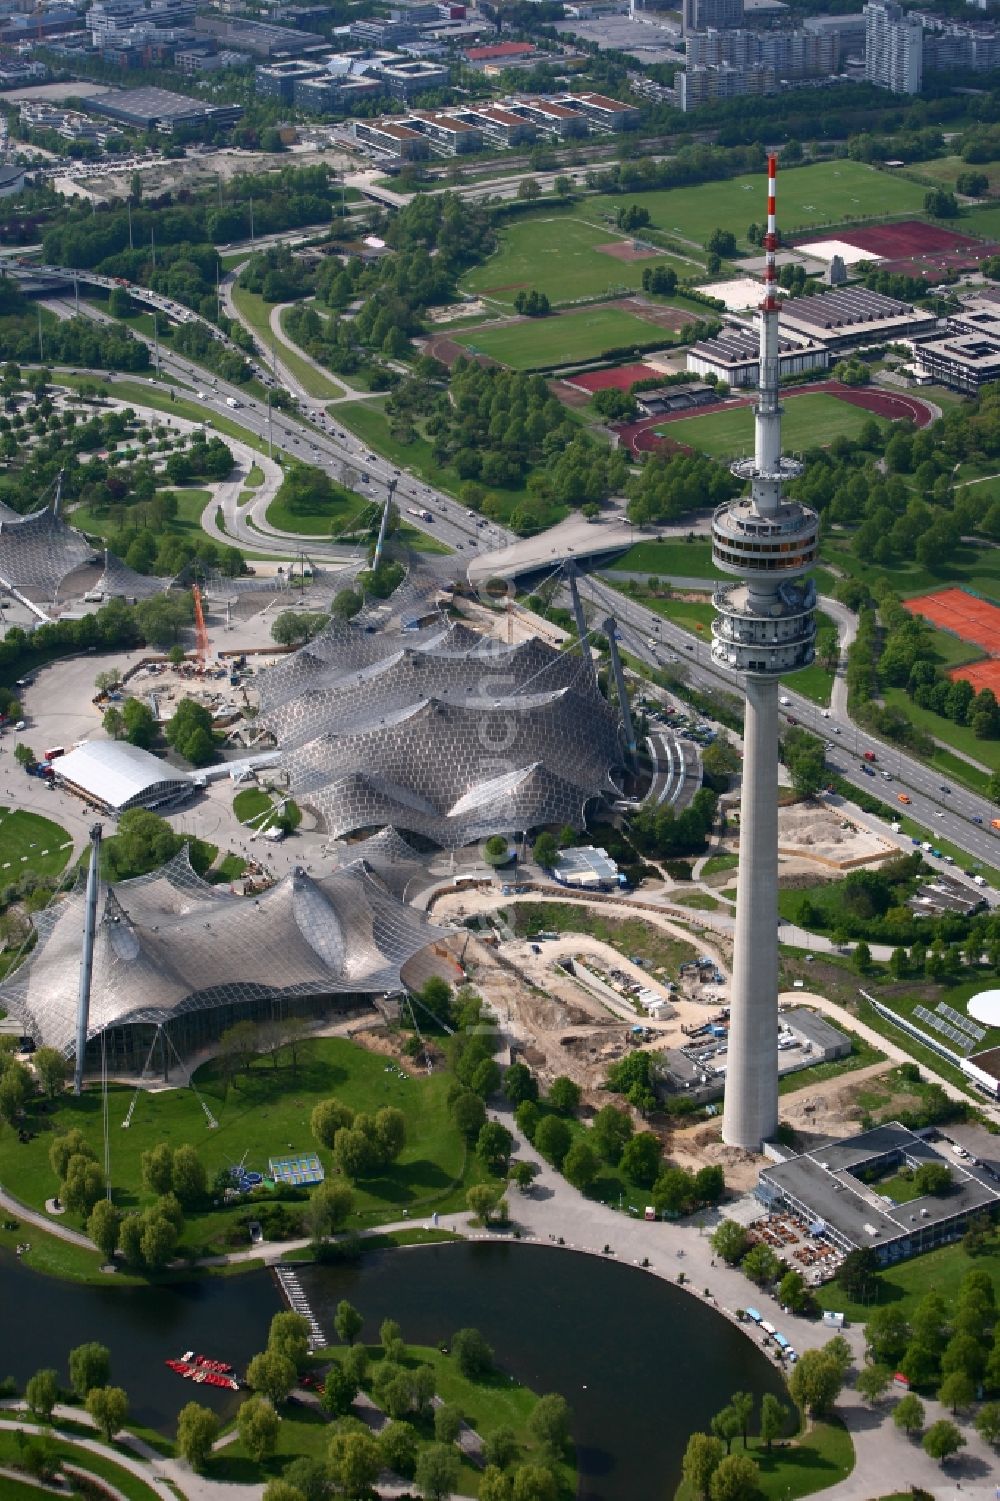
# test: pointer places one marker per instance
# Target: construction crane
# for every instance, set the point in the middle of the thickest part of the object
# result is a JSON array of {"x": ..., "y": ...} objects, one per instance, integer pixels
[{"x": 200, "y": 631}]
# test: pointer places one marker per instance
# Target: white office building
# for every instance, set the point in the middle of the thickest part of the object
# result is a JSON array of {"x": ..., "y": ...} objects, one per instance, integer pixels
[{"x": 894, "y": 47}]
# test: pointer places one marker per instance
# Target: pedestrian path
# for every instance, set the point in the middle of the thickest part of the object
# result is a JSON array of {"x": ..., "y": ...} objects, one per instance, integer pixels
[{"x": 288, "y": 1280}]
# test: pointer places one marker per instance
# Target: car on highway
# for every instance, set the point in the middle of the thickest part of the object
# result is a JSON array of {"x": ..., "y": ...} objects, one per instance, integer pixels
[
  {"x": 868, "y": 771},
  {"x": 976, "y": 818},
  {"x": 904, "y": 797},
  {"x": 836, "y": 729},
  {"x": 945, "y": 789}
]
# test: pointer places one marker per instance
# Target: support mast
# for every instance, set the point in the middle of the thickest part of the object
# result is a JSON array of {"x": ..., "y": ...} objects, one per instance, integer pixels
[{"x": 87, "y": 957}]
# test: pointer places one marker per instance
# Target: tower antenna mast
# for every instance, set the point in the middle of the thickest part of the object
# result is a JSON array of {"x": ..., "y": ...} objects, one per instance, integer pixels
[{"x": 764, "y": 628}]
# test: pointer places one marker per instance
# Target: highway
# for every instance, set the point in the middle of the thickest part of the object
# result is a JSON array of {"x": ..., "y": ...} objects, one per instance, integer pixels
[{"x": 315, "y": 436}]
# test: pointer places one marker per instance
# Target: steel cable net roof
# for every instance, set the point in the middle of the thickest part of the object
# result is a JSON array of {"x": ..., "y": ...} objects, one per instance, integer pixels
[
  {"x": 38, "y": 551},
  {"x": 168, "y": 943},
  {"x": 440, "y": 731},
  {"x": 389, "y": 855},
  {"x": 119, "y": 578}
]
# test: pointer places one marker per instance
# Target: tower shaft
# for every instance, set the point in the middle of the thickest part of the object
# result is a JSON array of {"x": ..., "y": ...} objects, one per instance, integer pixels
[{"x": 764, "y": 628}]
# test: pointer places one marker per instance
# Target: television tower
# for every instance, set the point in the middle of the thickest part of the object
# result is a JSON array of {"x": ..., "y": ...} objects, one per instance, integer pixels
[{"x": 763, "y": 629}]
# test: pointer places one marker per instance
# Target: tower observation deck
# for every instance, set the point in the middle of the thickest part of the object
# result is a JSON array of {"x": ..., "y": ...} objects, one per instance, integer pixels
[{"x": 764, "y": 628}]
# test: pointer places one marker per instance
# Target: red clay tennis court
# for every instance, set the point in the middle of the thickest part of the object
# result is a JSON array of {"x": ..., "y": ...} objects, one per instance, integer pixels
[
  {"x": 618, "y": 380},
  {"x": 970, "y": 619},
  {"x": 961, "y": 613}
]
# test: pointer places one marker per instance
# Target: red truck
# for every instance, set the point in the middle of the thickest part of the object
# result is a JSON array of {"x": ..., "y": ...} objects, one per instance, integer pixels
[{"x": 870, "y": 756}]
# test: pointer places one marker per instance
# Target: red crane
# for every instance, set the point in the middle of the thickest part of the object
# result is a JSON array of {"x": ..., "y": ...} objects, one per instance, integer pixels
[{"x": 200, "y": 631}]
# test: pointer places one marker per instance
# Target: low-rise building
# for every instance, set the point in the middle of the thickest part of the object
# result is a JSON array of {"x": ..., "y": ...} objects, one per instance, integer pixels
[
  {"x": 160, "y": 109},
  {"x": 605, "y": 113},
  {"x": 400, "y": 142},
  {"x": 447, "y": 132},
  {"x": 836, "y": 1189},
  {"x": 848, "y": 317},
  {"x": 502, "y": 126},
  {"x": 667, "y": 399},
  {"x": 499, "y": 52},
  {"x": 733, "y": 355},
  {"x": 589, "y": 867},
  {"x": 962, "y": 361}
]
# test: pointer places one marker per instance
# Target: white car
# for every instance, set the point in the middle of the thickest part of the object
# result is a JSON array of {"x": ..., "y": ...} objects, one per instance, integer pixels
[{"x": 826, "y": 714}]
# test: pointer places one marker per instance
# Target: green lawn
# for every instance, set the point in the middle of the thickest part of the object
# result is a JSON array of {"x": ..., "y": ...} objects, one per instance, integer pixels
[
  {"x": 983, "y": 221},
  {"x": 124, "y": 1481},
  {"x": 259, "y": 1116},
  {"x": 897, "y": 1188},
  {"x": 958, "y": 735},
  {"x": 975, "y": 568},
  {"x": 190, "y": 506},
  {"x": 669, "y": 560},
  {"x": 31, "y": 844},
  {"x": 700, "y": 900},
  {"x": 939, "y": 1271},
  {"x": 811, "y": 420},
  {"x": 314, "y": 381},
  {"x": 540, "y": 343},
  {"x": 256, "y": 313},
  {"x": 944, "y": 171},
  {"x": 819, "y": 195},
  {"x": 369, "y": 421},
  {"x": 251, "y": 803},
  {"x": 345, "y": 512},
  {"x": 716, "y": 865},
  {"x": 692, "y": 615},
  {"x": 497, "y": 1401},
  {"x": 821, "y": 1457},
  {"x": 862, "y": 1055},
  {"x": 163, "y": 397},
  {"x": 557, "y": 254}
]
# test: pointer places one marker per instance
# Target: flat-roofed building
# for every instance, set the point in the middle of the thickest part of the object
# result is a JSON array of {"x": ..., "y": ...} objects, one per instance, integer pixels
[
  {"x": 499, "y": 52},
  {"x": 836, "y": 1189},
  {"x": 401, "y": 142},
  {"x": 962, "y": 361},
  {"x": 605, "y": 113},
  {"x": 406, "y": 78},
  {"x": 733, "y": 355},
  {"x": 502, "y": 125},
  {"x": 448, "y": 132},
  {"x": 847, "y": 317},
  {"x": 554, "y": 119}
]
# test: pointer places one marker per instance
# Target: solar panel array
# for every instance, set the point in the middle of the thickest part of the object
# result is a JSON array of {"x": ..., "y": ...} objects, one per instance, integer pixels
[
  {"x": 961, "y": 1022},
  {"x": 298, "y": 1170},
  {"x": 961, "y": 1040}
]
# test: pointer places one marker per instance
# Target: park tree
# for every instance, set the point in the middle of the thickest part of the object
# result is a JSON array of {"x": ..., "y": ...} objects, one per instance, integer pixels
[
  {"x": 494, "y": 1145},
  {"x": 500, "y": 1447},
  {"x": 908, "y": 1413},
  {"x": 15, "y": 1091},
  {"x": 51, "y": 1067},
  {"x": 793, "y": 1292},
  {"x": 63, "y": 1148},
  {"x": 327, "y": 1118},
  {"x": 873, "y": 1383},
  {"x": 108, "y": 1406},
  {"x": 816, "y": 1381},
  {"x": 942, "y": 1440},
  {"x": 437, "y": 1471},
  {"x": 933, "y": 1178},
  {"x": 82, "y": 1186},
  {"x": 726, "y": 1425},
  {"x": 469, "y": 1113},
  {"x": 42, "y": 1393},
  {"x": 157, "y": 1167},
  {"x": 485, "y": 1078},
  {"x": 487, "y": 1202},
  {"x": 965, "y": 1353},
  {"x": 581, "y": 1164},
  {"x": 773, "y": 1416},
  {"x": 496, "y": 850},
  {"x": 494, "y": 1485},
  {"x": 735, "y": 1479},
  {"x": 272, "y": 1375},
  {"x": 447, "y": 1423},
  {"x": 89, "y": 1366},
  {"x": 857, "y": 1275},
  {"x": 398, "y": 1446},
  {"x": 520, "y": 1084},
  {"x": 534, "y": 1482},
  {"x": 549, "y": 1423},
  {"x": 564, "y": 1094},
  {"x": 742, "y": 1405},
  {"x": 730, "y": 1241},
  {"x": 553, "y": 1138},
  {"x": 545, "y": 851},
  {"x": 761, "y": 1265},
  {"x": 339, "y": 1390},
  {"x": 641, "y": 1158},
  {"x": 283, "y": 1490},
  {"x": 188, "y": 1179},
  {"x": 988, "y": 1423},
  {"x": 354, "y": 1153},
  {"x": 329, "y": 1208},
  {"x": 887, "y": 1334},
  {"x": 353, "y": 1458},
  {"x": 258, "y": 1425},
  {"x": 473, "y": 1354},
  {"x": 347, "y": 1322},
  {"x": 957, "y": 1390},
  {"x": 702, "y": 1458},
  {"x": 289, "y": 1336},
  {"x": 197, "y": 1430},
  {"x": 103, "y": 1227}
]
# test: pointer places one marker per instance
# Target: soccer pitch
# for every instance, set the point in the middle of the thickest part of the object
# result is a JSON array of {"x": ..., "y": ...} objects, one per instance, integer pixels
[
  {"x": 824, "y": 193},
  {"x": 558, "y": 256},
  {"x": 810, "y": 421},
  {"x": 541, "y": 343}
]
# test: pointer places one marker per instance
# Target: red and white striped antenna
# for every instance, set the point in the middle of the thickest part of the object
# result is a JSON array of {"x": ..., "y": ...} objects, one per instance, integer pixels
[{"x": 770, "y": 303}]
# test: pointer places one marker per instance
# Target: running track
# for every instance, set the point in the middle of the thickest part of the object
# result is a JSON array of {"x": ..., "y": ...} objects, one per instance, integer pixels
[{"x": 640, "y": 436}]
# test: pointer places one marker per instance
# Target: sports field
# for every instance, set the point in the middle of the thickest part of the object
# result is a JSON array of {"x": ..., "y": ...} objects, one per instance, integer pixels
[
  {"x": 810, "y": 421},
  {"x": 970, "y": 619},
  {"x": 559, "y": 256},
  {"x": 537, "y": 343},
  {"x": 825, "y": 193}
]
